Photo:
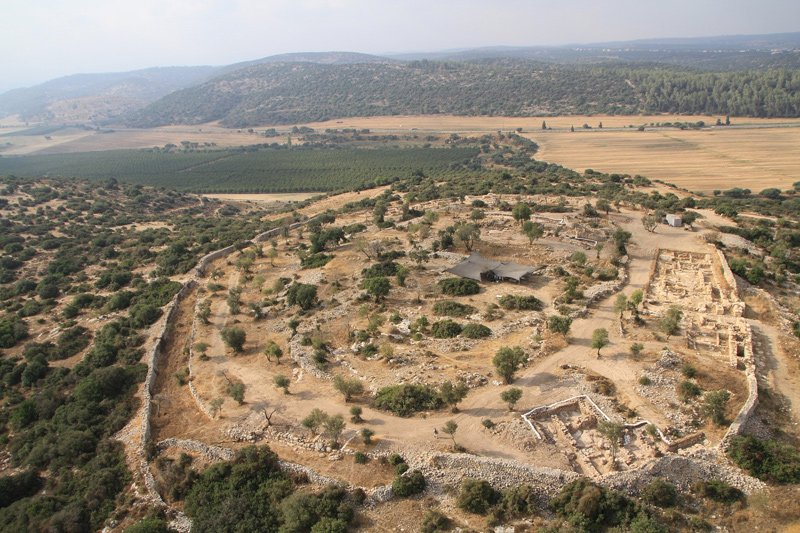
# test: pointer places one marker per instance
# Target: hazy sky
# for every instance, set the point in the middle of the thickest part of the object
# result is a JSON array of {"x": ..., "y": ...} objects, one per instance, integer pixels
[{"x": 43, "y": 39}]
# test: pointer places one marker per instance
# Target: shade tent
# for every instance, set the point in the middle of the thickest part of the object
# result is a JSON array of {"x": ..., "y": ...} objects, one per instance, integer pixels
[{"x": 479, "y": 268}]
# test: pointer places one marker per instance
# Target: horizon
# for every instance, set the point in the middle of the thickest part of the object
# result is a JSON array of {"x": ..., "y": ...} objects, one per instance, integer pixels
[{"x": 57, "y": 38}]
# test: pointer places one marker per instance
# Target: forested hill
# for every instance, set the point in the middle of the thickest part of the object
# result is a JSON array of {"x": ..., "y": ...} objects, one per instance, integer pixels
[{"x": 292, "y": 92}]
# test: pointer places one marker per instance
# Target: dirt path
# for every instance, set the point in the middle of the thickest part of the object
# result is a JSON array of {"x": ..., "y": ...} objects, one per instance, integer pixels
[{"x": 781, "y": 372}]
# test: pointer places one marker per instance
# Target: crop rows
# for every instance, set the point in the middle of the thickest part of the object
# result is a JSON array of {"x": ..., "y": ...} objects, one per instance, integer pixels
[{"x": 268, "y": 170}]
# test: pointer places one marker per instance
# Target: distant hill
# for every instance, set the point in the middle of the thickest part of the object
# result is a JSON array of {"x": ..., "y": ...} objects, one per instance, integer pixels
[
  {"x": 753, "y": 75},
  {"x": 98, "y": 97},
  {"x": 286, "y": 93}
]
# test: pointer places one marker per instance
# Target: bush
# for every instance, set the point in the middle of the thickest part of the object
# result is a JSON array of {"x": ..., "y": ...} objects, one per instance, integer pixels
[
  {"x": 719, "y": 491},
  {"x": 459, "y": 286},
  {"x": 451, "y": 308},
  {"x": 18, "y": 486},
  {"x": 593, "y": 507},
  {"x": 660, "y": 493},
  {"x": 477, "y": 496},
  {"x": 315, "y": 261},
  {"x": 149, "y": 525},
  {"x": 445, "y": 329},
  {"x": 302, "y": 294},
  {"x": 360, "y": 458},
  {"x": 409, "y": 484},
  {"x": 768, "y": 460},
  {"x": 644, "y": 380},
  {"x": 435, "y": 522},
  {"x": 234, "y": 337},
  {"x": 404, "y": 400},
  {"x": 12, "y": 330},
  {"x": 688, "y": 390},
  {"x": 523, "y": 303},
  {"x": 475, "y": 331}
]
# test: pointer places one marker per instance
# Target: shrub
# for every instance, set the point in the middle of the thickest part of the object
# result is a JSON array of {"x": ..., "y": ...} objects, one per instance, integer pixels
[
  {"x": 149, "y": 525},
  {"x": 360, "y": 458},
  {"x": 404, "y": 400},
  {"x": 315, "y": 261},
  {"x": 445, "y": 329},
  {"x": 768, "y": 460},
  {"x": 475, "y": 331},
  {"x": 507, "y": 361},
  {"x": 302, "y": 294},
  {"x": 688, "y": 370},
  {"x": 644, "y": 380},
  {"x": 592, "y": 506},
  {"x": 409, "y": 484},
  {"x": 660, "y": 493},
  {"x": 487, "y": 423},
  {"x": 451, "y": 308},
  {"x": 12, "y": 330},
  {"x": 688, "y": 390},
  {"x": 523, "y": 303},
  {"x": 718, "y": 491},
  {"x": 714, "y": 406},
  {"x": 234, "y": 337},
  {"x": 477, "y": 496},
  {"x": 459, "y": 286},
  {"x": 434, "y": 522}
]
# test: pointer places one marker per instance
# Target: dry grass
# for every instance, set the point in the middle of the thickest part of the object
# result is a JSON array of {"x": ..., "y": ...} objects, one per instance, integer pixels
[
  {"x": 438, "y": 123},
  {"x": 705, "y": 160},
  {"x": 272, "y": 197}
]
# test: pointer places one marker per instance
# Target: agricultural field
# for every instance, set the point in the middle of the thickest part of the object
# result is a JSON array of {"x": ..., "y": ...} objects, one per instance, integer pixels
[
  {"x": 248, "y": 171},
  {"x": 707, "y": 160}
]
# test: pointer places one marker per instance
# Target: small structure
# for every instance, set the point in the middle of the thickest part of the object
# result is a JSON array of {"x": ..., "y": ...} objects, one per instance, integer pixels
[
  {"x": 479, "y": 268},
  {"x": 674, "y": 220}
]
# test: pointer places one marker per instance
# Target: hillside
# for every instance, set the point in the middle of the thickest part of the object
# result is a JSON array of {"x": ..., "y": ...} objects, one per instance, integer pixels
[
  {"x": 285, "y": 93},
  {"x": 98, "y": 97}
]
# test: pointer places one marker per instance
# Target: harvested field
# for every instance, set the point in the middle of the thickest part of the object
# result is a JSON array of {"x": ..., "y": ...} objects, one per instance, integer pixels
[
  {"x": 266, "y": 198},
  {"x": 704, "y": 160}
]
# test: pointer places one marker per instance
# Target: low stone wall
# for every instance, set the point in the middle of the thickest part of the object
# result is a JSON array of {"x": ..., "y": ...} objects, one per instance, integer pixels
[
  {"x": 682, "y": 471},
  {"x": 210, "y": 452}
]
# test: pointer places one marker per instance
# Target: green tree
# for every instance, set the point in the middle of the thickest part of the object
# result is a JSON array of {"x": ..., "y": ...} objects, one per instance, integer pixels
[
  {"x": 452, "y": 393},
  {"x": 234, "y": 337},
  {"x": 670, "y": 323},
  {"x": 467, "y": 234},
  {"x": 511, "y": 397},
  {"x": 559, "y": 324},
  {"x": 650, "y": 222},
  {"x": 621, "y": 304},
  {"x": 236, "y": 391},
  {"x": 599, "y": 339},
  {"x": 314, "y": 420},
  {"x": 349, "y": 387},
  {"x": 507, "y": 361},
  {"x": 714, "y": 406},
  {"x": 521, "y": 212},
  {"x": 334, "y": 426},
  {"x": 450, "y": 429},
  {"x": 377, "y": 287},
  {"x": 613, "y": 432},
  {"x": 355, "y": 414},
  {"x": 234, "y": 299},
  {"x": 532, "y": 230},
  {"x": 302, "y": 294},
  {"x": 621, "y": 239},
  {"x": 273, "y": 350}
]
